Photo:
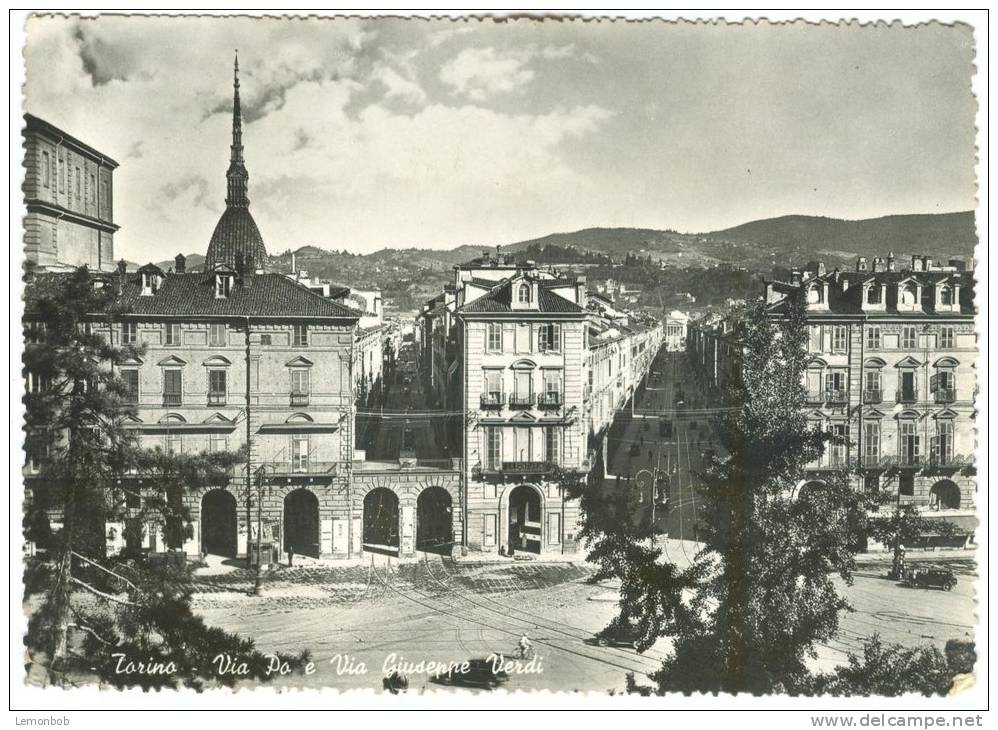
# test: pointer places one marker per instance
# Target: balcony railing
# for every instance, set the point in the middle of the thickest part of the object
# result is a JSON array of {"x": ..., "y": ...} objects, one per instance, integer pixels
[
  {"x": 911, "y": 460},
  {"x": 294, "y": 467},
  {"x": 493, "y": 401},
  {"x": 945, "y": 395},
  {"x": 131, "y": 397},
  {"x": 299, "y": 399},
  {"x": 521, "y": 401},
  {"x": 815, "y": 398},
  {"x": 907, "y": 396},
  {"x": 873, "y": 395},
  {"x": 216, "y": 399},
  {"x": 172, "y": 399},
  {"x": 526, "y": 468},
  {"x": 549, "y": 400},
  {"x": 834, "y": 395}
]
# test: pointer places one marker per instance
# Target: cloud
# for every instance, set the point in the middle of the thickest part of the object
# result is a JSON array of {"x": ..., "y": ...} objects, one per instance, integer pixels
[
  {"x": 399, "y": 87},
  {"x": 481, "y": 72}
]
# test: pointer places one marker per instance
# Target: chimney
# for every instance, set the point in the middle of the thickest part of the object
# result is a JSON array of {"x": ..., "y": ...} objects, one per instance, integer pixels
[
  {"x": 916, "y": 263},
  {"x": 928, "y": 263},
  {"x": 958, "y": 264},
  {"x": 122, "y": 266},
  {"x": 485, "y": 256},
  {"x": 580, "y": 291},
  {"x": 820, "y": 268},
  {"x": 891, "y": 266},
  {"x": 795, "y": 278},
  {"x": 861, "y": 263},
  {"x": 294, "y": 269},
  {"x": 180, "y": 263},
  {"x": 878, "y": 264}
]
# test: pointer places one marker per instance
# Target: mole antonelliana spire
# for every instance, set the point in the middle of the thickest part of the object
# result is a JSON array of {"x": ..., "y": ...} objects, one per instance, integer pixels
[{"x": 236, "y": 235}]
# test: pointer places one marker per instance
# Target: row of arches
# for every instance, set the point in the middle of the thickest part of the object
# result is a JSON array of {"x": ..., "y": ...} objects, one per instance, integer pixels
[
  {"x": 944, "y": 494},
  {"x": 434, "y": 522}
]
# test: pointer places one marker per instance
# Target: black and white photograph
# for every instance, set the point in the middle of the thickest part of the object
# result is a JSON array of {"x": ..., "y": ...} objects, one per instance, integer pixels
[{"x": 456, "y": 360}]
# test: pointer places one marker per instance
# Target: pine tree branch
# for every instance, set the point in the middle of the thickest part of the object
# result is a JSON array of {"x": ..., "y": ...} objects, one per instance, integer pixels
[
  {"x": 111, "y": 572},
  {"x": 106, "y": 596}
]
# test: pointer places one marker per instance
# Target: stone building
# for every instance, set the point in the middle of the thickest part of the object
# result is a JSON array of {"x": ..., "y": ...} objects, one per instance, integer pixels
[
  {"x": 892, "y": 368},
  {"x": 69, "y": 194}
]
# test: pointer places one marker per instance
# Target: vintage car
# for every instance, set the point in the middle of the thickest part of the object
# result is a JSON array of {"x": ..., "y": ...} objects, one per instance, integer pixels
[
  {"x": 620, "y": 632},
  {"x": 482, "y": 674},
  {"x": 931, "y": 578}
]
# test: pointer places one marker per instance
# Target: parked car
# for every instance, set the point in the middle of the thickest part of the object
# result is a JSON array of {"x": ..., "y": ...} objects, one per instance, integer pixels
[
  {"x": 481, "y": 674},
  {"x": 619, "y": 632},
  {"x": 931, "y": 578}
]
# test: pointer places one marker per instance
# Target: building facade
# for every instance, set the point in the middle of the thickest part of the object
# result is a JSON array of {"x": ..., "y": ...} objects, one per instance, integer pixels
[
  {"x": 892, "y": 369},
  {"x": 69, "y": 195}
]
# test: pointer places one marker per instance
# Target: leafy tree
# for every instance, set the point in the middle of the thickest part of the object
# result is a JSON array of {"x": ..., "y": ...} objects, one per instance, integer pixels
[
  {"x": 900, "y": 525},
  {"x": 129, "y": 605},
  {"x": 889, "y": 670}
]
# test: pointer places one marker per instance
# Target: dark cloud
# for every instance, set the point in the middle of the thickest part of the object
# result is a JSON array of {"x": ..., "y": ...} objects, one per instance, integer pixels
[
  {"x": 100, "y": 61},
  {"x": 173, "y": 190}
]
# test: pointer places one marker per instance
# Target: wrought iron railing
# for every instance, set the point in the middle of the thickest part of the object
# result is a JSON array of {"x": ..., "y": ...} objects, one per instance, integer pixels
[
  {"x": 945, "y": 395},
  {"x": 216, "y": 399},
  {"x": 299, "y": 399},
  {"x": 549, "y": 400},
  {"x": 521, "y": 401},
  {"x": 836, "y": 395},
  {"x": 907, "y": 396},
  {"x": 873, "y": 395},
  {"x": 493, "y": 400}
]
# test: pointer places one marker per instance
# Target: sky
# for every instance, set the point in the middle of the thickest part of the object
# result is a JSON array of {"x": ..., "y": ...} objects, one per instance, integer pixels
[{"x": 365, "y": 134}]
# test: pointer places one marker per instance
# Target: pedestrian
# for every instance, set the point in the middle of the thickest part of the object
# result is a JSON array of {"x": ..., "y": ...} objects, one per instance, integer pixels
[{"x": 291, "y": 556}]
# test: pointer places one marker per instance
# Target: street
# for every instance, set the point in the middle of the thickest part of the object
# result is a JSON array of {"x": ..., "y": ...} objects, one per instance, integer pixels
[{"x": 438, "y": 609}]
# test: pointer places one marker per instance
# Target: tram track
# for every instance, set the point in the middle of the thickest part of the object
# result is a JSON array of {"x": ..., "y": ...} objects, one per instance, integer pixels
[
  {"x": 540, "y": 621},
  {"x": 512, "y": 627}
]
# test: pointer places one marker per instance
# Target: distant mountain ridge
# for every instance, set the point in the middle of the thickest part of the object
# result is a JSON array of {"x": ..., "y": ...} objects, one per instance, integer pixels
[{"x": 411, "y": 275}]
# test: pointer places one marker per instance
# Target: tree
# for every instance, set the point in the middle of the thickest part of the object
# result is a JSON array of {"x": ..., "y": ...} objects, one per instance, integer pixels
[
  {"x": 889, "y": 670},
  {"x": 902, "y": 525},
  {"x": 125, "y": 608}
]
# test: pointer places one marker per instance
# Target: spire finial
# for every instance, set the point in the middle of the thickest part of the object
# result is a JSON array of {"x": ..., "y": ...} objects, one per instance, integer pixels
[{"x": 237, "y": 175}]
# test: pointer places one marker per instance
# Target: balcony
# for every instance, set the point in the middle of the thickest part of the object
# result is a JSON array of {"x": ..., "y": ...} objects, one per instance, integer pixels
[
  {"x": 527, "y": 468},
  {"x": 836, "y": 396},
  {"x": 873, "y": 396},
  {"x": 814, "y": 398},
  {"x": 173, "y": 399},
  {"x": 907, "y": 396},
  {"x": 216, "y": 399},
  {"x": 493, "y": 401},
  {"x": 299, "y": 399},
  {"x": 945, "y": 395},
  {"x": 549, "y": 401},
  {"x": 131, "y": 397},
  {"x": 521, "y": 402},
  {"x": 909, "y": 460},
  {"x": 298, "y": 467}
]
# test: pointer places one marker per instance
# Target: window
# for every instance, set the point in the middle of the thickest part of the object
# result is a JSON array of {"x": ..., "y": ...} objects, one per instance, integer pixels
[
  {"x": 838, "y": 448},
  {"x": 814, "y": 338},
  {"x": 93, "y": 189},
  {"x": 909, "y": 443},
  {"x": 873, "y": 338},
  {"x": 943, "y": 447},
  {"x": 523, "y": 387},
  {"x": 552, "y": 444},
  {"x": 223, "y": 286},
  {"x": 35, "y": 383},
  {"x": 172, "y": 387},
  {"x": 46, "y": 170},
  {"x": 552, "y": 387},
  {"x": 840, "y": 338},
  {"x": 549, "y": 337},
  {"x": 873, "y": 294},
  {"x": 265, "y": 340},
  {"x": 494, "y": 343},
  {"x": 34, "y": 333},
  {"x": 909, "y": 387},
  {"x": 946, "y": 338},
  {"x": 946, "y": 296},
  {"x": 62, "y": 174},
  {"x": 217, "y": 443},
  {"x": 299, "y": 453},
  {"x": 493, "y": 448},
  {"x": 299, "y": 387},
  {"x": 908, "y": 297},
  {"x": 129, "y": 333},
  {"x": 493, "y": 386},
  {"x": 301, "y": 335},
  {"x": 130, "y": 379},
  {"x": 871, "y": 442},
  {"x": 835, "y": 383},
  {"x": 871, "y": 386},
  {"x": 216, "y": 335},
  {"x": 79, "y": 185},
  {"x": 174, "y": 442},
  {"x": 815, "y": 295},
  {"x": 909, "y": 338},
  {"x": 523, "y": 294},
  {"x": 217, "y": 387},
  {"x": 173, "y": 335}
]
